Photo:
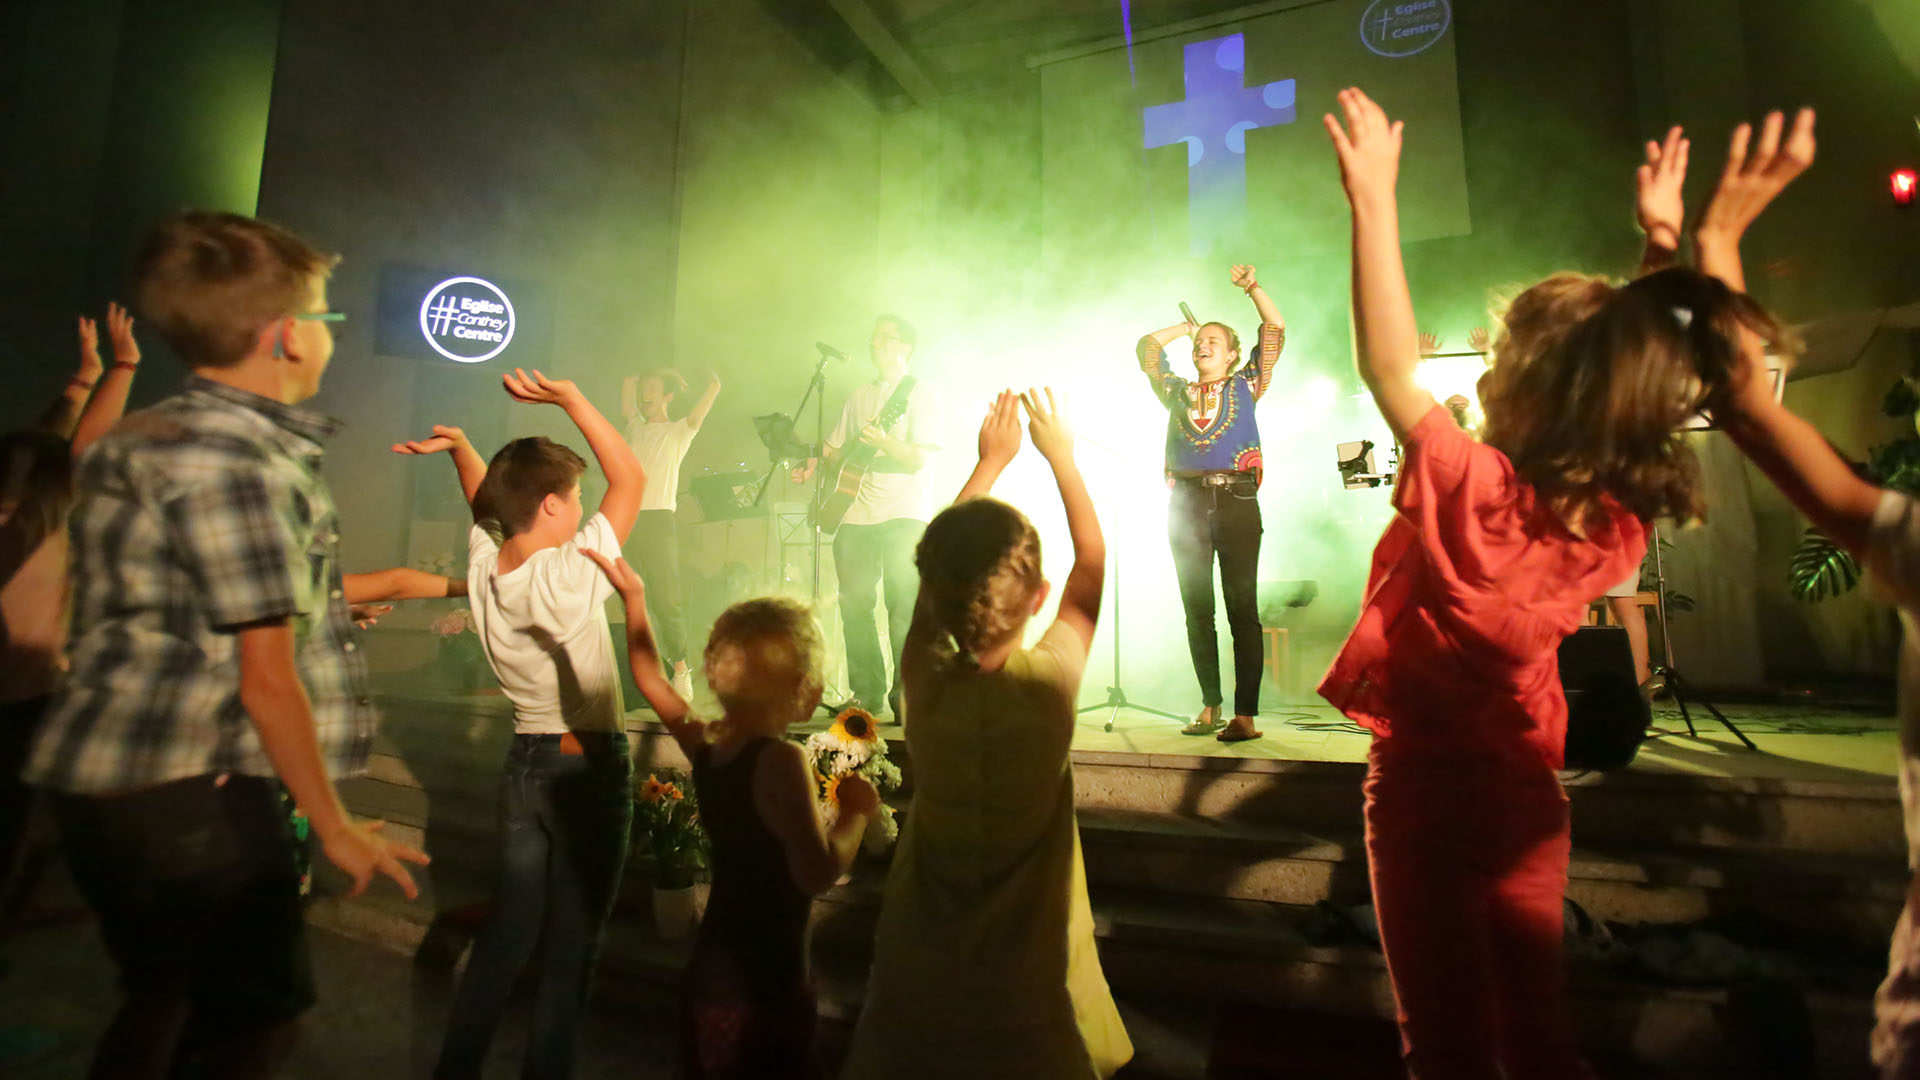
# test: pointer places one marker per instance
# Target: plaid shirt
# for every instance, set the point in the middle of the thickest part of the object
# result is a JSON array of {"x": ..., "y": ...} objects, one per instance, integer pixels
[{"x": 192, "y": 519}]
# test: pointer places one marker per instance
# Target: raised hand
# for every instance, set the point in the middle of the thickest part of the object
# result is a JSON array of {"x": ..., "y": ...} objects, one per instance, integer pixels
[
  {"x": 358, "y": 849},
  {"x": 1429, "y": 343},
  {"x": 625, "y": 581},
  {"x": 90, "y": 365},
  {"x": 1051, "y": 434},
  {"x": 1659, "y": 205},
  {"x": 445, "y": 437},
  {"x": 1243, "y": 278},
  {"x": 1000, "y": 431},
  {"x": 1368, "y": 147},
  {"x": 1755, "y": 174},
  {"x": 537, "y": 389},
  {"x": 1477, "y": 339},
  {"x": 120, "y": 332}
]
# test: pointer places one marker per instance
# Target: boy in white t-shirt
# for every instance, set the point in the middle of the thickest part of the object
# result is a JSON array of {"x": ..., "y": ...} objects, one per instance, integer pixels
[
  {"x": 540, "y": 611},
  {"x": 662, "y": 443}
]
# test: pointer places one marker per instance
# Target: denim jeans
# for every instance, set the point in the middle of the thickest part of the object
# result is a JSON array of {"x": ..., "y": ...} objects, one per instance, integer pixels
[
  {"x": 563, "y": 843},
  {"x": 1206, "y": 521},
  {"x": 866, "y": 556}
]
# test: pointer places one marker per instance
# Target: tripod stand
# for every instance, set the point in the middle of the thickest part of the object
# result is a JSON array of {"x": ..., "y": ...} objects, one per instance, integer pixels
[
  {"x": 776, "y": 432},
  {"x": 1676, "y": 682}
]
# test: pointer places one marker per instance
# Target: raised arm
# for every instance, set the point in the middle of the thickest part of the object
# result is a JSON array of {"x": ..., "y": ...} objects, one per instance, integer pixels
[
  {"x": 999, "y": 443},
  {"x": 783, "y": 789},
  {"x": 1387, "y": 342},
  {"x": 399, "y": 583},
  {"x": 1789, "y": 450},
  {"x": 64, "y": 412},
  {"x": 1748, "y": 182},
  {"x": 1659, "y": 202},
  {"x": 1151, "y": 351},
  {"x": 1080, "y": 597},
  {"x": 705, "y": 405},
  {"x": 643, "y": 656},
  {"x": 1273, "y": 329},
  {"x": 109, "y": 400},
  {"x": 626, "y": 480},
  {"x": 467, "y": 463}
]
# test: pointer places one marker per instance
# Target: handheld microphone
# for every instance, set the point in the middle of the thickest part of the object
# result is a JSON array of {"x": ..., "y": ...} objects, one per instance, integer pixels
[
  {"x": 1187, "y": 313},
  {"x": 829, "y": 351}
]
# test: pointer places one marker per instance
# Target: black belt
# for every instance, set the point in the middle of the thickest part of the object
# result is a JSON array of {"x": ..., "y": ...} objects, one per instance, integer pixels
[{"x": 1214, "y": 479}]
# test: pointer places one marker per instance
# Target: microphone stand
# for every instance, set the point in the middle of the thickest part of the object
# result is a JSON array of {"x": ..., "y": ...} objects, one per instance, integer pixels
[{"x": 817, "y": 393}]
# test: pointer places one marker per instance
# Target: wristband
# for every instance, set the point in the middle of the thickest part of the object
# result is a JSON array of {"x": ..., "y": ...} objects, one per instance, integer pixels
[
  {"x": 128, "y": 364},
  {"x": 81, "y": 383}
]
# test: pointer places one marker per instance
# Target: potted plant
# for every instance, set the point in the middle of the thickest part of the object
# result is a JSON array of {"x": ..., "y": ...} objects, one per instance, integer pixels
[{"x": 669, "y": 838}]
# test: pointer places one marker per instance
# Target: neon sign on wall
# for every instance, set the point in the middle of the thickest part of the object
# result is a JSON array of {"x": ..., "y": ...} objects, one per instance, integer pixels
[{"x": 468, "y": 320}]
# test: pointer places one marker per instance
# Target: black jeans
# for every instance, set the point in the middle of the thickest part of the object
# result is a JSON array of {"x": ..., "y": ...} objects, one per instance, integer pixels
[
  {"x": 563, "y": 844},
  {"x": 866, "y": 556},
  {"x": 1205, "y": 521},
  {"x": 198, "y": 900},
  {"x": 655, "y": 544}
]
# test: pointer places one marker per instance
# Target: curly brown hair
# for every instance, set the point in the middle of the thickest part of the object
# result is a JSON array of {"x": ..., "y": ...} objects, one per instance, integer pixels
[
  {"x": 1591, "y": 382},
  {"x": 762, "y": 648},
  {"x": 979, "y": 568}
]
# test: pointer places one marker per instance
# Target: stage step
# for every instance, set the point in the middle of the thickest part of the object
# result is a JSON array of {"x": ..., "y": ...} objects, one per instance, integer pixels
[{"x": 1156, "y": 948}]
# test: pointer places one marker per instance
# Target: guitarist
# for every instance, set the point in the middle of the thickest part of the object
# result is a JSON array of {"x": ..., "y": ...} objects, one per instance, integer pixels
[{"x": 873, "y": 546}]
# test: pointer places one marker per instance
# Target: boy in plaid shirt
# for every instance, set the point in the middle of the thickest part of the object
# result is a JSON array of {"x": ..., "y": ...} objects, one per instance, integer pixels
[{"x": 212, "y": 652}]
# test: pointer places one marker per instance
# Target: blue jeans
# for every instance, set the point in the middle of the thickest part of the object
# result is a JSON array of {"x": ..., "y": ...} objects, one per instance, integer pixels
[{"x": 563, "y": 843}]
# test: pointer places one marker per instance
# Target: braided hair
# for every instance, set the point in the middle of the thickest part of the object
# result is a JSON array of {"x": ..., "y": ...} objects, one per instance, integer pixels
[{"x": 979, "y": 567}]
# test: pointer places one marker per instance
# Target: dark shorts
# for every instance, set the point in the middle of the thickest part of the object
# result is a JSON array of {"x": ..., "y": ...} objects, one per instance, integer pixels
[{"x": 198, "y": 895}]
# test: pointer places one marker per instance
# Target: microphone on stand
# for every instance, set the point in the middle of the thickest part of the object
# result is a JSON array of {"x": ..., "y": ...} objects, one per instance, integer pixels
[{"x": 829, "y": 351}]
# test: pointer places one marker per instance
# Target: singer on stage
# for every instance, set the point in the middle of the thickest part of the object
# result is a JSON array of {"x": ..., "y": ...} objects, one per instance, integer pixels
[
  {"x": 878, "y": 478},
  {"x": 1213, "y": 468}
]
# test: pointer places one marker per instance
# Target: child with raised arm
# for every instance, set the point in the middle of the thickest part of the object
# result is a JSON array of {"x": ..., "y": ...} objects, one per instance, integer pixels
[
  {"x": 985, "y": 962},
  {"x": 661, "y": 442},
  {"x": 1493, "y": 555},
  {"x": 1214, "y": 469},
  {"x": 540, "y": 612},
  {"x": 212, "y": 658},
  {"x": 747, "y": 999},
  {"x": 1881, "y": 527}
]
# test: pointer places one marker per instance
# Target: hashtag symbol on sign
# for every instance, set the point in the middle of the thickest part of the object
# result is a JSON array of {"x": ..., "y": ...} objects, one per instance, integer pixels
[{"x": 442, "y": 311}]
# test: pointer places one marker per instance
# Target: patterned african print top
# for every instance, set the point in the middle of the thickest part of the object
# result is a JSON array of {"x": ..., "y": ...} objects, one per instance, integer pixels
[{"x": 1210, "y": 425}]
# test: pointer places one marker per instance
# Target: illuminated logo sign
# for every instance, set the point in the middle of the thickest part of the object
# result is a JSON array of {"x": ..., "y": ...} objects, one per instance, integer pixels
[
  {"x": 1404, "y": 27},
  {"x": 467, "y": 319}
]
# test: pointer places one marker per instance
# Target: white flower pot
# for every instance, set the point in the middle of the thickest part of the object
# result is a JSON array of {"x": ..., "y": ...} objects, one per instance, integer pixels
[{"x": 673, "y": 912}]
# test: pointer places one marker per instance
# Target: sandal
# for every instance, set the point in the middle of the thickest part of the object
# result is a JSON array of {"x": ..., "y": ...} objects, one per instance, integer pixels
[
  {"x": 1238, "y": 734},
  {"x": 1203, "y": 726}
]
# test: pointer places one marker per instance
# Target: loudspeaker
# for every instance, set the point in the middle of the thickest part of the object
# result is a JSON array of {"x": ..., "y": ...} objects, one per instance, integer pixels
[{"x": 1606, "y": 716}]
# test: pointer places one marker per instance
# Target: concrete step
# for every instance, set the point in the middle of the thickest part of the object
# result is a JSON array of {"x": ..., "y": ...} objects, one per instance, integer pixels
[{"x": 1852, "y": 900}]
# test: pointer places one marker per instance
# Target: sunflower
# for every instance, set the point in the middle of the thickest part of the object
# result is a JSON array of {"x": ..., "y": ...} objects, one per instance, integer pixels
[
  {"x": 832, "y": 797},
  {"x": 856, "y": 726}
]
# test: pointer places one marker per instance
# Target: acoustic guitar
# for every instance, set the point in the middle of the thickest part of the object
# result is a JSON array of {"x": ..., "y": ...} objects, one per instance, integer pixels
[{"x": 840, "y": 481}]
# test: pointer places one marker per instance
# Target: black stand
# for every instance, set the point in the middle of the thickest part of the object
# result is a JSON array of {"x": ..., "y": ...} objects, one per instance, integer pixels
[
  {"x": 1117, "y": 694},
  {"x": 817, "y": 393},
  {"x": 1676, "y": 682}
]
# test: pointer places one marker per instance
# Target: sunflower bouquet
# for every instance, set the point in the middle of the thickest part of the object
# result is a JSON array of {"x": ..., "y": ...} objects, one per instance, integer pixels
[
  {"x": 852, "y": 746},
  {"x": 667, "y": 829}
]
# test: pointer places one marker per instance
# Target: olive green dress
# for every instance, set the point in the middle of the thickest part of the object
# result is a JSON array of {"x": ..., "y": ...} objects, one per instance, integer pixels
[{"x": 985, "y": 964}]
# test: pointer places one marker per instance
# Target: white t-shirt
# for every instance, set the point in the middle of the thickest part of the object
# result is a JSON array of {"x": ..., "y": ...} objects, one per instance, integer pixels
[
  {"x": 661, "y": 446},
  {"x": 544, "y": 628},
  {"x": 1893, "y": 559},
  {"x": 884, "y": 495}
]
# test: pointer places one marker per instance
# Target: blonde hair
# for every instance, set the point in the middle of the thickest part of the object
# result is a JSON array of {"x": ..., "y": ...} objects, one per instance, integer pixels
[
  {"x": 209, "y": 282},
  {"x": 760, "y": 651},
  {"x": 979, "y": 569},
  {"x": 1591, "y": 382}
]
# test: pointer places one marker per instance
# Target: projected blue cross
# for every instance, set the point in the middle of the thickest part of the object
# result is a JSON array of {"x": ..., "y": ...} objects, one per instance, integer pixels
[{"x": 1214, "y": 120}]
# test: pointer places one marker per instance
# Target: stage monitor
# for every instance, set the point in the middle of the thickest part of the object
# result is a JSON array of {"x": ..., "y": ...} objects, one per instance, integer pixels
[{"x": 454, "y": 316}]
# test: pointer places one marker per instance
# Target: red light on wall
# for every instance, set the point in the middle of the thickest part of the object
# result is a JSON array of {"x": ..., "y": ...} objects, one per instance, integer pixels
[{"x": 1903, "y": 182}]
